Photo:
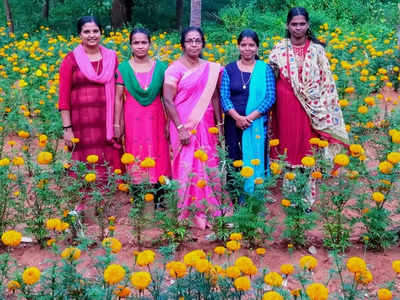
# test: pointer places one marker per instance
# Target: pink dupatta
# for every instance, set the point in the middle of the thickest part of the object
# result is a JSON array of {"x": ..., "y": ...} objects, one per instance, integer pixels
[{"x": 106, "y": 77}]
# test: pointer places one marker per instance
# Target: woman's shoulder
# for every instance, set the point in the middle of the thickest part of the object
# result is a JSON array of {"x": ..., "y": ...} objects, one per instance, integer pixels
[{"x": 231, "y": 67}]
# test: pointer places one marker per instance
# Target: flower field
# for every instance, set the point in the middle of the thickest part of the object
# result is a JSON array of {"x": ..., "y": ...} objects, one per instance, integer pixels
[{"x": 121, "y": 248}]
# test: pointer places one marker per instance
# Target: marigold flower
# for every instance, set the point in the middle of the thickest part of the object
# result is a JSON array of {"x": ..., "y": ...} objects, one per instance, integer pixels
[
  {"x": 52, "y": 224},
  {"x": 31, "y": 275},
  {"x": 341, "y": 160},
  {"x": 235, "y": 236},
  {"x": 145, "y": 258},
  {"x": 44, "y": 158},
  {"x": 114, "y": 273},
  {"x": 356, "y": 150},
  {"x": 202, "y": 265},
  {"x": 396, "y": 266},
  {"x": 255, "y": 162},
  {"x": 232, "y": 272},
  {"x": 258, "y": 180},
  {"x": 396, "y": 137},
  {"x": 23, "y": 134},
  {"x": 201, "y": 183},
  {"x": 75, "y": 140},
  {"x": 272, "y": 295},
  {"x": 385, "y": 167},
  {"x": 124, "y": 187},
  {"x": 141, "y": 280},
  {"x": 176, "y": 269},
  {"x": 237, "y": 163},
  {"x": 343, "y": 102},
  {"x": 122, "y": 291},
  {"x": 242, "y": 283},
  {"x": 127, "y": 159},
  {"x": 201, "y": 155},
  {"x": 273, "y": 279},
  {"x": 317, "y": 291},
  {"x": 369, "y": 100},
  {"x": 364, "y": 277},
  {"x": 233, "y": 245},
  {"x": 261, "y": 251},
  {"x": 190, "y": 258},
  {"x": 247, "y": 172},
  {"x": 50, "y": 242},
  {"x": 290, "y": 175},
  {"x": 314, "y": 141},
  {"x": 11, "y": 238},
  {"x": 378, "y": 197},
  {"x": 148, "y": 197},
  {"x": 362, "y": 109},
  {"x": 274, "y": 142},
  {"x": 18, "y": 161},
  {"x": 245, "y": 265},
  {"x": 393, "y": 157},
  {"x": 162, "y": 180},
  {"x": 90, "y": 177},
  {"x": 13, "y": 285},
  {"x": 384, "y": 294},
  {"x": 285, "y": 202},
  {"x": 148, "y": 162},
  {"x": 114, "y": 244},
  {"x": 308, "y": 161},
  {"x": 308, "y": 262},
  {"x": 353, "y": 174},
  {"x": 71, "y": 253},
  {"x": 92, "y": 159},
  {"x": 287, "y": 269},
  {"x": 316, "y": 175},
  {"x": 275, "y": 168},
  {"x": 4, "y": 162},
  {"x": 213, "y": 130},
  {"x": 356, "y": 264},
  {"x": 220, "y": 250}
]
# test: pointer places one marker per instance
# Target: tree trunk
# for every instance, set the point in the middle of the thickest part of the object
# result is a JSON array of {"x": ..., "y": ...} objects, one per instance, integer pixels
[
  {"x": 8, "y": 16},
  {"x": 195, "y": 13},
  {"x": 179, "y": 14},
  {"x": 121, "y": 12},
  {"x": 45, "y": 10}
]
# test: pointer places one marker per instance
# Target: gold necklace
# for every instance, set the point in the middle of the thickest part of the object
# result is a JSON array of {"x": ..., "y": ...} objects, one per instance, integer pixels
[{"x": 244, "y": 84}]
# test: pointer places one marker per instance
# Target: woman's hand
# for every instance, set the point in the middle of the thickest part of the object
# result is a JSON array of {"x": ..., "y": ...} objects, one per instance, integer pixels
[
  {"x": 184, "y": 136},
  {"x": 117, "y": 131},
  {"x": 68, "y": 136},
  {"x": 242, "y": 122}
]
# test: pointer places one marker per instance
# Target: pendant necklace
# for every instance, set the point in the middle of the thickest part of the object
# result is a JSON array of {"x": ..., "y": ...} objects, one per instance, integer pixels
[
  {"x": 244, "y": 84},
  {"x": 146, "y": 85}
]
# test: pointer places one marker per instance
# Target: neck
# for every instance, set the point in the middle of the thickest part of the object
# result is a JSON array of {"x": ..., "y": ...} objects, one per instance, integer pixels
[
  {"x": 91, "y": 50},
  {"x": 192, "y": 60},
  {"x": 247, "y": 62},
  {"x": 141, "y": 60},
  {"x": 298, "y": 41}
]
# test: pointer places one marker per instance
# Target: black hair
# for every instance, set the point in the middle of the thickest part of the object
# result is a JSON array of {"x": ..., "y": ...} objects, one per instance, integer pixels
[
  {"x": 248, "y": 33},
  {"x": 186, "y": 30},
  {"x": 87, "y": 19},
  {"x": 139, "y": 30},
  {"x": 301, "y": 11}
]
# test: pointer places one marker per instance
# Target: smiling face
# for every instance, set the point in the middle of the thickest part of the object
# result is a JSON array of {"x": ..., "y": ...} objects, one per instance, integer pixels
[
  {"x": 298, "y": 27},
  {"x": 90, "y": 35},
  {"x": 193, "y": 44},
  {"x": 140, "y": 45},
  {"x": 248, "y": 48}
]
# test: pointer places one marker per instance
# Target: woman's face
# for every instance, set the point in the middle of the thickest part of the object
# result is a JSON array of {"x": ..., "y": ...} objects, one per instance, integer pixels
[
  {"x": 140, "y": 45},
  {"x": 193, "y": 44},
  {"x": 298, "y": 27},
  {"x": 248, "y": 48},
  {"x": 90, "y": 35}
]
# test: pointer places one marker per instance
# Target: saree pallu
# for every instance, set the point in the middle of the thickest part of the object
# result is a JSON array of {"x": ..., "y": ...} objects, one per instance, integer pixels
[{"x": 195, "y": 88}]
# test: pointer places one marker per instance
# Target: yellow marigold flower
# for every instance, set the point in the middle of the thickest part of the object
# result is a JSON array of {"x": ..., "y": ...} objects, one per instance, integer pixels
[
  {"x": 23, "y": 134},
  {"x": 145, "y": 258},
  {"x": 356, "y": 264},
  {"x": 233, "y": 245},
  {"x": 396, "y": 266},
  {"x": 52, "y": 224},
  {"x": 255, "y": 162},
  {"x": 290, "y": 175},
  {"x": 90, "y": 177},
  {"x": 235, "y": 236},
  {"x": 114, "y": 244},
  {"x": 287, "y": 269},
  {"x": 384, "y": 294},
  {"x": 261, "y": 251},
  {"x": 75, "y": 140},
  {"x": 50, "y": 242},
  {"x": 273, "y": 279},
  {"x": 92, "y": 159},
  {"x": 308, "y": 161},
  {"x": 364, "y": 277},
  {"x": 369, "y": 100},
  {"x": 12, "y": 176},
  {"x": 352, "y": 174},
  {"x": 162, "y": 180},
  {"x": 201, "y": 155},
  {"x": 71, "y": 253},
  {"x": 356, "y": 150},
  {"x": 44, "y": 157},
  {"x": 362, "y": 109},
  {"x": 274, "y": 142},
  {"x": 122, "y": 291},
  {"x": 341, "y": 160},
  {"x": 308, "y": 262},
  {"x": 220, "y": 250},
  {"x": 13, "y": 285},
  {"x": 201, "y": 183},
  {"x": 123, "y": 187},
  {"x": 316, "y": 175},
  {"x": 127, "y": 159},
  {"x": 114, "y": 273},
  {"x": 272, "y": 295},
  {"x": 237, "y": 163},
  {"x": 176, "y": 269},
  {"x": 349, "y": 90},
  {"x": 42, "y": 138},
  {"x": 323, "y": 144},
  {"x": 385, "y": 167},
  {"x": 243, "y": 262},
  {"x": 258, "y": 180},
  {"x": 118, "y": 171},
  {"x": 393, "y": 157},
  {"x": 4, "y": 162},
  {"x": 18, "y": 161},
  {"x": 66, "y": 165},
  {"x": 11, "y": 238},
  {"x": 213, "y": 130},
  {"x": 275, "y": 168},
  {"x": 141, "y": 280},
  {"x": 247, "y": 172},
  {"x": 148, "y": 197},
  {"x": 343, "y": 102},
  {"x": 396, "y": 137},
  {"x": 242, "y": 283},
  {"x": 232, "y": 272},
  {"x": 317, "y": 291},
  {"x": 202, "y": 265},
  {"x": 314, "y": 141},
  {"x": 31, "y": 275},
  {"x": 378, "y": 197},
  {"x": 190, "y": 258},
  {"x": 285, "y": 202},
  {"x": 148, "y": 162}
]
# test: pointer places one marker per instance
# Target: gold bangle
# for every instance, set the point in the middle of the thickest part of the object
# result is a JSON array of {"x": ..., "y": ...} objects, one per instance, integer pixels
[{"x": 179, "y": 126}]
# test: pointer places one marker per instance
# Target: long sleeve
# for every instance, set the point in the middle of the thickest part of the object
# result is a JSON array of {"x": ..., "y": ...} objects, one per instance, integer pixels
[
  {"x": 269, "y": 99},
  {"x": 225, "y": 91},
  {"x": 64, "y": 98}
]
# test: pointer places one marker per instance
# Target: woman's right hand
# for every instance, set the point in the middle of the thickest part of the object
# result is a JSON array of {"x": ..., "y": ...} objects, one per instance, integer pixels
[
  {"x": 117, "y": 132},
  {"x": 68, "y": 136},
  {"x": 242, "y": 122},
  {"x": 184, "y": 136}
]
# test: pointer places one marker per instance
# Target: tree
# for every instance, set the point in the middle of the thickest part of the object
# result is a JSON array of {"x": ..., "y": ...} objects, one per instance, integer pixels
[
  {"x": 45, "y": 9},
  {"x": 179, "y": 14},
  {"x": 195, "y": 13},
  {"x": 8, "y": 16},
  {"x": 121, "y": 12}
]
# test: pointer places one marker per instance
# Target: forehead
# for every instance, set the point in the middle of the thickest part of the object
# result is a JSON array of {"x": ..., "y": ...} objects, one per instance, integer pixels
[
  {"x": 90, "y": 26},
  {"x": 139, "y": 36},
  {"x": 193, "y": 35},
  {"x": 298, "y": 19},
  {"x": 247, "y": 40}
]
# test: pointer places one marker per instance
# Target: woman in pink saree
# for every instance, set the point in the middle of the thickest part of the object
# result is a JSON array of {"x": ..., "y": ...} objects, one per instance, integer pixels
[{"x": 192, "y": 104}]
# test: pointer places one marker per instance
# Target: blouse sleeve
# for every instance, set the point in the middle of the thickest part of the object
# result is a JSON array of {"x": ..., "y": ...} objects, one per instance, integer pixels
[
  {"x": 64, "y": 98},
  {"x": 172, "y": 75},
  {"x": 225, "y": 91},
  {"x": 269, "y": 99}
]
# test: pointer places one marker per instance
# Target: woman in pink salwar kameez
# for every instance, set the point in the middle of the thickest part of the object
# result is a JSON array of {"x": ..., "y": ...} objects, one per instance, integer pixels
[{"x": 192, "y": 104}]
